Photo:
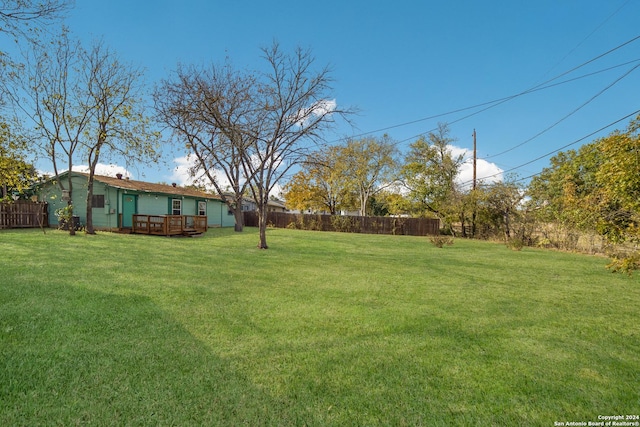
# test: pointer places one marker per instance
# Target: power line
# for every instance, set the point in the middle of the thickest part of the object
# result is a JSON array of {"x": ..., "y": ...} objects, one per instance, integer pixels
[
  {"x": 567, "y": 116},
  {"x": 544, "y": 85},
  {"x": 588, "y": 36},
  {"x": 558, "y": 149},
  {"x": 503, "y": 100}
]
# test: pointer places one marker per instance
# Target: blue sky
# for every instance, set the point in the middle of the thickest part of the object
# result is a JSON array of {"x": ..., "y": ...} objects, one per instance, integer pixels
[{"x": 404, "y": 61}]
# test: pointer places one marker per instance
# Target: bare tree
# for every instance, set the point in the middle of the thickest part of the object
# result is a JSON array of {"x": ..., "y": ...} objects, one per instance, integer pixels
[
  {"x": 295, "y": 109},
  {"x": 20, "y": 18},
  {"x": 253, "y": 126},
  {"x": 208, "y": 111}
]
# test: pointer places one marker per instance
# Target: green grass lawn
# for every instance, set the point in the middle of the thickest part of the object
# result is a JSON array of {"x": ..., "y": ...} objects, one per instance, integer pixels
[{"x": 320, "y": 329}]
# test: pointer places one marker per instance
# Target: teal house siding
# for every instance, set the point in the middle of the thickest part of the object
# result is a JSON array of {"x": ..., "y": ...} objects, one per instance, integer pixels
[
  {"x": 152, "y": 204},
  {"x": 123, "y": 197},
  {"x": 220, "y": 213}
]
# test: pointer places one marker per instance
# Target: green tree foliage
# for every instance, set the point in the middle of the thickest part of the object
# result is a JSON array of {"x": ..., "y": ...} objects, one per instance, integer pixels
[
  {"x": 499, "y": 207},
  {"x": 596, "y": 188},
  {"x": 82, "y": 105},
  {"x": 565, "y": 192},
  {"x": 619, "y": 184},
  {"x": 15, "y": 173},
  {"x": 368, "y": 166},
  {"x": 429, "y": 172},
  {"x": 320, "y": 184},
  {"x": 344, "y": 177},
  {"x": 391, "y": 201}
]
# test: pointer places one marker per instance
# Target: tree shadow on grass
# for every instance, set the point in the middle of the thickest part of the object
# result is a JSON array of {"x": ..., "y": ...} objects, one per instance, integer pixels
[{"x": 85, "y": 357}]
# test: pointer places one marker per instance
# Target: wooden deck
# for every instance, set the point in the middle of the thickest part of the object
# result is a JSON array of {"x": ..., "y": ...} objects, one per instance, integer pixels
[{"x": 169, "y": 225}]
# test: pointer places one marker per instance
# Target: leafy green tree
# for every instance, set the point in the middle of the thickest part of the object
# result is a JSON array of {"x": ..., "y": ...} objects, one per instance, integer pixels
[
  {"x": 82, "y": 105},
  {"x": 394, "y": 202},
  {"x": 118, "y": 124},
  {"x": 618, "y": 179},
  {"x": 500, "y": 203},
  {"x": 15, "y": 173},
  {"x": 596, "y": 188},
  {"x": 619, "y": 194},
  {"x": 320, "y": 184},
  {"x": 567, "y": 191},
  {"x": 430, "y": 172},
  {"x": 368, "y": 166}
]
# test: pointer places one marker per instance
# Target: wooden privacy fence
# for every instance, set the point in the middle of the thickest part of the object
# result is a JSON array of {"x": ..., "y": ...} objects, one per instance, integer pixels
[
  {"x": 350, "y": 224},
  {"x": 24, "y": 214}
]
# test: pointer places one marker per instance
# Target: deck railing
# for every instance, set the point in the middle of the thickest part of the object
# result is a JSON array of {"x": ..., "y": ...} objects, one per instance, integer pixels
[{"x": 169, "y": 225}]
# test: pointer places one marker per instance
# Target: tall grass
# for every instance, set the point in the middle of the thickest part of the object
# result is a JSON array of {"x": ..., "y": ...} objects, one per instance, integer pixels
[{"x": 321, "y": 329}]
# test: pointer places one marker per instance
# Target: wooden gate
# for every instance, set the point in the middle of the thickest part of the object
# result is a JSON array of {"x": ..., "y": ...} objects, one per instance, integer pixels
[{"x": 24, "y": 214}]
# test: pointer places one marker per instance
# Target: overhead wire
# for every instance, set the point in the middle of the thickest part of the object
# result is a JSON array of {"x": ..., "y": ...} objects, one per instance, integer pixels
[
  {"x": 566, "y": 116},
  {"x": 588, "y": 36},
  {"x": 503, "y": 100},
  {"x": 555, "y": 151},
  {"x": 544, "y": 85}
]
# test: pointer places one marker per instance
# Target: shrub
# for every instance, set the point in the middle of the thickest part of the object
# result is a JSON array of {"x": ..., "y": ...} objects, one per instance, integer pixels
[
  {"x": 515, "y": 244},
  {"x": 345, "y": 224},
  {"x": 625, "y": 263},
  {"x": 440, "y": 241}
]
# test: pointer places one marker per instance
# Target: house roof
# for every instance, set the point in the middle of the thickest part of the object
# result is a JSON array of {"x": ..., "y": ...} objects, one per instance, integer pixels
[{"x": 148, "y": 187}]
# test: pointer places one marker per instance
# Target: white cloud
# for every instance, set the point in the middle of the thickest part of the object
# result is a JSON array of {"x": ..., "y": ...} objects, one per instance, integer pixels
[
  {"x": 486, "y": 172},
  {"x": 181, "y": 175},
  {"x": 101, "y": 169},
  {"x": 320, "y": 108},
  {"x": 106, "y": 170}
]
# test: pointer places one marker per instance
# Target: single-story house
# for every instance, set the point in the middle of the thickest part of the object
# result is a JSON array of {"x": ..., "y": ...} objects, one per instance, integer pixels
[
  {"x": 249, "y": 205},
  {"x": 117, "y": 199}
]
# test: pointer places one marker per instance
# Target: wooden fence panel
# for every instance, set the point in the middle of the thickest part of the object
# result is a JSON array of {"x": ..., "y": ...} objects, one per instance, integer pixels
[
  {"x": 350, "y": 224},
  {"x": 24, "y": 214}
]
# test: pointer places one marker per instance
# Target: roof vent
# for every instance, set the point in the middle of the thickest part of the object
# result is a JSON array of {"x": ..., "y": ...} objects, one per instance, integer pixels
[
  {"x": 119, "y": 175},
  {"x": 173, "y": 184}
]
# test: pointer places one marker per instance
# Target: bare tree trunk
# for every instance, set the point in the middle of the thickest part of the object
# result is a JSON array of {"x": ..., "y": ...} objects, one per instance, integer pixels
[
  {"x": 89, "y": 224},
  {"x": 262, "y": 224},
  {"x": 72, "y": 228},
  {"x": 364, "y": 197},
  {"x": 239, "y": 217},
  {"x": 463, "y": 225},
  {"x": 507, "y": 226}
]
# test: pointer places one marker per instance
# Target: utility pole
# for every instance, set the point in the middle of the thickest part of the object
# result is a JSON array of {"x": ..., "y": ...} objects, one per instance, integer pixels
[
  {"x": 475, "y": 157},
  {"x": 473, "y": 215}
]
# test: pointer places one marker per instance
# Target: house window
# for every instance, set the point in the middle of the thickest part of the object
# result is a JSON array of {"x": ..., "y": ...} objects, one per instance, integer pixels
[
  {"x": 176, "y": 207},
  {"x": 97, "y": 201},
  {"x": 202, "y": 208}
]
